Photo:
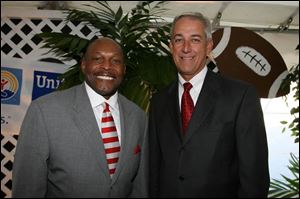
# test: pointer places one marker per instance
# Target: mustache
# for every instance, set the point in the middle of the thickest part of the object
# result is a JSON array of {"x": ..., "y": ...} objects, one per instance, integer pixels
[{"x": 109, "y": 73}]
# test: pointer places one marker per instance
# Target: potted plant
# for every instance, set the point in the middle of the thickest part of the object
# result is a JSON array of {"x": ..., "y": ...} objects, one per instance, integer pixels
[{"x": 142, "y": 36}]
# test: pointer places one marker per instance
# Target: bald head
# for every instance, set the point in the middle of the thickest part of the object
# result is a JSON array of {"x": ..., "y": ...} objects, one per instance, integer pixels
[{"x": 103, "y": 41}]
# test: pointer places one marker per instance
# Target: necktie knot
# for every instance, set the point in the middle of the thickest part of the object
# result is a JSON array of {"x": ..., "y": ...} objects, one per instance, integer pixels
[
  {"x": 106, "y": 107},
  {"x": 187, "y": 86}
]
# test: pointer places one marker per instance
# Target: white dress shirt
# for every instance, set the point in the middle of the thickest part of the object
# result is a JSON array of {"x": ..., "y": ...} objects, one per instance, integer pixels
[
  {"x": 97, "y": 101},
  {"x": 196, "y": 81}
]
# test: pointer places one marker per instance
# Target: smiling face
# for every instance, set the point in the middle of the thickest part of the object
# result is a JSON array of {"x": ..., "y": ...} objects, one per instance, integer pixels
[
  {"x": 189, "y": 46},
  {"x": 103, "y": 66}
]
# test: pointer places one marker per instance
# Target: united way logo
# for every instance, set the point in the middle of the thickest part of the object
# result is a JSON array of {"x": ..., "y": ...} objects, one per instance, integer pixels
[
  {"x": 44, "y": 83},
  {"x": 11, "y": 84}
]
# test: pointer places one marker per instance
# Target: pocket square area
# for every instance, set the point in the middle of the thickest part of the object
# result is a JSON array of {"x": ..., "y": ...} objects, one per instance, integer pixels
[{"x": 137, "y": 149}]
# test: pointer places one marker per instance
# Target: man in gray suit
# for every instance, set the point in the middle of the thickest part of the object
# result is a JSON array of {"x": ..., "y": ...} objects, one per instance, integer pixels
[{"x": 61, "y": 150}]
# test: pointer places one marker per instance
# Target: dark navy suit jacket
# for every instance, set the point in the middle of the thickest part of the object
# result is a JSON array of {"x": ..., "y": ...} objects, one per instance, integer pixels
[{"x": 224, "y": 152}]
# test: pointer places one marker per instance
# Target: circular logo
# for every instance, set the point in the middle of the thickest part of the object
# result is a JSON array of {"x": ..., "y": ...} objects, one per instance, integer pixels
[{"x": 9, "y": 85}]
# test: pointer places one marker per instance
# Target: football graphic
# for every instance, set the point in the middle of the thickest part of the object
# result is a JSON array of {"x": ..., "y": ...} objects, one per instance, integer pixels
[{"x": 242, "y": 54}]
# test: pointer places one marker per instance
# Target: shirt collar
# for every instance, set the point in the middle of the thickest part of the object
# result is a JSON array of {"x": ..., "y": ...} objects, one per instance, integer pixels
[
  {"x": 196, "y": 80},
  {"x": 97, "y": 99}
]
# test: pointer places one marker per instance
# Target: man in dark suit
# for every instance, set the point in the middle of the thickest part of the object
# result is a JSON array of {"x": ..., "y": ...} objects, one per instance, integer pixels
[
  {"x": 207, "y": 133},
  {"x": 88, "y": 141}
]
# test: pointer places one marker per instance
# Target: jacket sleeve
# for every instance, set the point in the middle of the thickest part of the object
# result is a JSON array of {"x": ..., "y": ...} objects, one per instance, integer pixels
[
  {"x": 252, "y": 147},
  {"x": 30, "y": 162}
]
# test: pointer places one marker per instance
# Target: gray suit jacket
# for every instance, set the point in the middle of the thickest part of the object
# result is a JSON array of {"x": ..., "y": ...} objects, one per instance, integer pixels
[{"x": 60, "y": 151}]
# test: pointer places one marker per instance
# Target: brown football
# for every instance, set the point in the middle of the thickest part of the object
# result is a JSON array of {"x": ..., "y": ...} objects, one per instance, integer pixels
[{"x": 245, "y": 55}]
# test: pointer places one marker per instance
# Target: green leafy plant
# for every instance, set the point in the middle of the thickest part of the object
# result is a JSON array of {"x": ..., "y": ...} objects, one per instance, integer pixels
[
  {"x": 289, "y": 188},
  {"x": 142, "y": 36},
  {"x": 292, "y": 79}
]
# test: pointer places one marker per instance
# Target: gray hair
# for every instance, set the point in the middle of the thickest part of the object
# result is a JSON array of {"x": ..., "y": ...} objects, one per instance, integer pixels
[{"x": 197, "y": 16}]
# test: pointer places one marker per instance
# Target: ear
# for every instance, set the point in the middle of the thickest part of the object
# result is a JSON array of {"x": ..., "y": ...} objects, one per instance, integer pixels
[
  {"x": 209, "y": 46},
  {"x": 82, "y": 65},
  {"x": 171, "y": 47},
  {"x": 124, "y": 68}
]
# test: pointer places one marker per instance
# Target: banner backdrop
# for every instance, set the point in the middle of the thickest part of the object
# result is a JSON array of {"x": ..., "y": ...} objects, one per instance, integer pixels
[
  {"x": 22, "y": 82},
  {"x": 23, "y": 77}
]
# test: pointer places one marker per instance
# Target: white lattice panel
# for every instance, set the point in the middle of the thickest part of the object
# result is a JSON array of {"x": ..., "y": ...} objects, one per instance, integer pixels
[
  {"x": 19, "y": 40},
  {"x": 8, "y": 147}
]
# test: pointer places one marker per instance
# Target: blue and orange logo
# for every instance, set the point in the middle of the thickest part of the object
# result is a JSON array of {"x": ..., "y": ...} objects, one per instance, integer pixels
[{"x": 11, "y": 83}]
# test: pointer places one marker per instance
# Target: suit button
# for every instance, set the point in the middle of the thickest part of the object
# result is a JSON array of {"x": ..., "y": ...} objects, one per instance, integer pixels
[
  {"x": 181, "y": 149},
  {"x": 181, "y": 178}
]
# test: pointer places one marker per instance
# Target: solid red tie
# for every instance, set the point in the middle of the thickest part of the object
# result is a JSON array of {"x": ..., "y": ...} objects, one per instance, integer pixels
[
  {"x": 187, "y": 106},
  {"x": 110, "y": 140}
]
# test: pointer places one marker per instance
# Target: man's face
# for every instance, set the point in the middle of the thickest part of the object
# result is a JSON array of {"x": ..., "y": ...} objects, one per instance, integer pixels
[
  {"x": 103, "y": 67},
  {"x": 189, "y": 47}
]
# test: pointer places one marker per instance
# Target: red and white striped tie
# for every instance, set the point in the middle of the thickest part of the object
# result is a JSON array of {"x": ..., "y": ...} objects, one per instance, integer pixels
[{"x": 110, "y": 140}]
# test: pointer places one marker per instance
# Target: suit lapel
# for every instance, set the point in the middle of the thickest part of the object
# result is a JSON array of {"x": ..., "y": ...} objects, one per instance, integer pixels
[
  {"x": 205, "y": 103},
  {"x": 86, "y": 122},
  {"x": 173, "y": 108},
  {"x": 126, "y": 122}
]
